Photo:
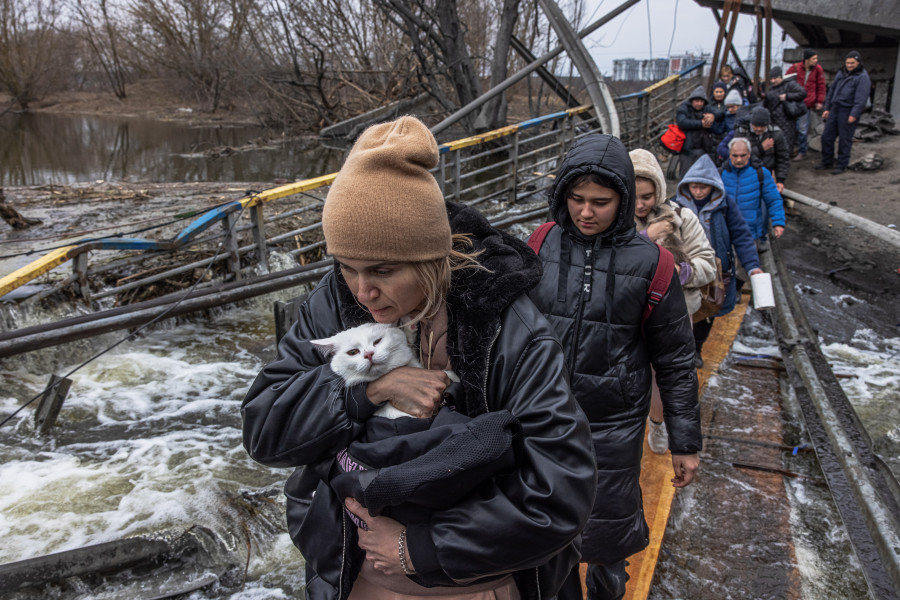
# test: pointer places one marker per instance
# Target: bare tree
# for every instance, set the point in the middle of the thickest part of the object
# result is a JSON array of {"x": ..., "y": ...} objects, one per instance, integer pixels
[
  {"x": 493, "y": 113},
  {"x": 29, "y": 42},
  {"x": 198, "y": 40},
  {"x": 438, "y": 41},
  {"x": 101, "y": 33},
  {"x": 323, "y": 61}
]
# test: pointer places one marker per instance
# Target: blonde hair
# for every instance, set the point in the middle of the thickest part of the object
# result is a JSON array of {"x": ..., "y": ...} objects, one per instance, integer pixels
[{"x": 434, "y": 276}]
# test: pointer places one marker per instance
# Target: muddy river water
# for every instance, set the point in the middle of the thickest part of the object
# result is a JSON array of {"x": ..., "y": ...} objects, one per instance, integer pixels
[{"x": 64, "y": 149}]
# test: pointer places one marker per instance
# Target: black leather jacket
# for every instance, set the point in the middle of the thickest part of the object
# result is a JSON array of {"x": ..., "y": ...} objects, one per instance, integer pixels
[
  {"x": 593, "y": 291},
  {"x": 524, "y": 522}
]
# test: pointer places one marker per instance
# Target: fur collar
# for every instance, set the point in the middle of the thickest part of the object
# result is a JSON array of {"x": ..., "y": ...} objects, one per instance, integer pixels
[{"x": 476, "y": 300}]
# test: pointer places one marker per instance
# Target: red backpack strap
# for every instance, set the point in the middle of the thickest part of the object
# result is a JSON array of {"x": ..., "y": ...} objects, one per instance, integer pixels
[
  {"x": 660, "y": 283},
  {"x": 536, "y": 239}
]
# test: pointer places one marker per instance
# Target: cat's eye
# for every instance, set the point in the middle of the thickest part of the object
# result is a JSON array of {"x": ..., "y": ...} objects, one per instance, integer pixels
[
  {"x": 375, "y": 343},
  {"x": 353, "y": 352}
]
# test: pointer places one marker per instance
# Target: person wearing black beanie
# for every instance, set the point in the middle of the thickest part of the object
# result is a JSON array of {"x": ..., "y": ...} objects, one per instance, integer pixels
[
  {"x": 811, "y": 76},
  {"x": 844, "y": 104}
]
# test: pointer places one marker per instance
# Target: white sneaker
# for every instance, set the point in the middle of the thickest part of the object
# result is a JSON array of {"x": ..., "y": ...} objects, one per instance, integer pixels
[{"x": 658, "y": 437}]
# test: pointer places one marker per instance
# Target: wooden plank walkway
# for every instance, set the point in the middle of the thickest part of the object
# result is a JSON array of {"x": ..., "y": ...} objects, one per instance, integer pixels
[{"x": 656, "y": 469}]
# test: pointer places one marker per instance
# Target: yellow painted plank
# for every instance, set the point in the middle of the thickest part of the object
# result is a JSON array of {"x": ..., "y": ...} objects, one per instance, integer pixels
[
  {"x": 35, "y": 269},
  {"x": 656, "y": 469}
]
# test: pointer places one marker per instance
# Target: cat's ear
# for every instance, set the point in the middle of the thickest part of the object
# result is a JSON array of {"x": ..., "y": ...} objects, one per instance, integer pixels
[{"x": 326, "y": 346}]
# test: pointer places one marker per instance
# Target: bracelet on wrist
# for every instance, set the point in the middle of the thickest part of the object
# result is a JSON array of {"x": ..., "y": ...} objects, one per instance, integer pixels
[{"x": 401, "y": 543}]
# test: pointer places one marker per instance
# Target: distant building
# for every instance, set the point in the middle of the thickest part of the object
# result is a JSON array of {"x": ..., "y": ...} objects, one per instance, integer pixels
[
  {"x": 634, "y": 69},
  {"x": 680, "y": 62}
]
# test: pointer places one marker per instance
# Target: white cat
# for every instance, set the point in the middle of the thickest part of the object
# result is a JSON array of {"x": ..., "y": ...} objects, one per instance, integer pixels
[{"x": 367, "y": 352}]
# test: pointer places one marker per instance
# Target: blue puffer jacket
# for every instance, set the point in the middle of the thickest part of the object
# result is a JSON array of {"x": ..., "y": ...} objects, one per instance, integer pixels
[
  {"x": 756, "y": 196},
  {"x": 850, "y": 89},
  {"x": 724, "y": 225}
]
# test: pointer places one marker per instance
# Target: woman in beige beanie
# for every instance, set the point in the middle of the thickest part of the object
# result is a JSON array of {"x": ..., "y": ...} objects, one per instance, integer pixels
[
  {"x": 404, "y": 256},
  {"x": 680, "y": 232}
]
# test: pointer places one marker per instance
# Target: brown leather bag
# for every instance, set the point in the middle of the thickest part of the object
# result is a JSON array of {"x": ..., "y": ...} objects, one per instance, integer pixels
[{"x": 712, "y": 296}]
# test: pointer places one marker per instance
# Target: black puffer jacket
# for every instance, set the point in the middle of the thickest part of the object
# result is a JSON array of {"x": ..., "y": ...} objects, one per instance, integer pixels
[
  {"x": 793, "y": 92},
  {"x": 598, "y": 317},
  {"x": 524, "y": 522},
  {"x": 697, "y": 137}
]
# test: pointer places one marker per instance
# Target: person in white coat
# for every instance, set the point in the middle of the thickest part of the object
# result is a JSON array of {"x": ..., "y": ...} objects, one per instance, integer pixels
[{"x": 680, "y": 232}]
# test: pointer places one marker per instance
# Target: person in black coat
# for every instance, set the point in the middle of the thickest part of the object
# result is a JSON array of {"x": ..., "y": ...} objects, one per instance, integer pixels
[
  {"x": 696, "y": 119},
  {"x": 781, "y": 91},
  {"x": 844, "y": 104},
  {"x": 594, "y": 292},
  {"x": 768, "y": 146},
  {"x": 404, "y": 256}
]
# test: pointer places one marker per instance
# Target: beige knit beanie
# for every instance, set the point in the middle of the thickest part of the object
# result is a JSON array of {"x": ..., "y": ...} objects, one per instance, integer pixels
[{"x": 384, "y": 204}]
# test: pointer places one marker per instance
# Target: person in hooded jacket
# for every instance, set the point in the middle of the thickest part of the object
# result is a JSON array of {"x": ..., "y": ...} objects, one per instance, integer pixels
[
  {"x": 781, "y": 91},
  {"x": 404, "y": 256},
  {"x": 844, "y": 104},
  {"x": 742, "y": 83},
  {"x": 594, "y": 292},
  {"x": 702, "y": 192},
  {"x": 679, "y": 231},
  {"x": 695, "y": 118}
]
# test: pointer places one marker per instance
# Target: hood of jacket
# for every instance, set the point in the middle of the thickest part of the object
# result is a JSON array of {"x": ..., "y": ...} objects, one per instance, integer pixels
[
  {"x": 646, "y": 166},
  {"x": 607, "y": 157},
  {"x": 698, "y": 92},
  {"x": 476, "y": 298},
  {"x": 702, "y": 171}
]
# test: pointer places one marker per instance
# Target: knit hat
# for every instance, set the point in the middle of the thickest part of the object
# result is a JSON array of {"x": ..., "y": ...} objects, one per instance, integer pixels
[
  {"x": 853, "y": 54},
  {"x": 720, "y": 84},
  {"x": 384, "y": 204},
  {"x": 734, "y": 97},
  {"x": 759, "y": 116},
  {"x": 775, "y": 72},
  {"x": 809, "y": 53},
  {"x": 646, "y": 166}
]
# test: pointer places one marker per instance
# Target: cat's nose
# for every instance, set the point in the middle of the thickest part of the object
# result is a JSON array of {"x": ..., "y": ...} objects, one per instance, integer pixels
[{"x": 368, "y": 355}]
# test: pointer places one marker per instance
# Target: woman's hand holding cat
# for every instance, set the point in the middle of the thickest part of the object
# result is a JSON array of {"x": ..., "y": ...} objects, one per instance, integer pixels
[
  {"x": 418, "y": 392},
  {"x": 380, "y": 541}
]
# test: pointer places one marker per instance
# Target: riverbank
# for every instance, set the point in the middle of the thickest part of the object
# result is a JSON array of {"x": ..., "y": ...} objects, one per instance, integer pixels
[{"x": 148, "y": 99}]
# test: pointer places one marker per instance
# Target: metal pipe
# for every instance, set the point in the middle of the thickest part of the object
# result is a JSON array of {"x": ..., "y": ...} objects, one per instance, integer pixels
[
  {"x": 887, "y": 234},
  {"x": 532, "y": 66}
]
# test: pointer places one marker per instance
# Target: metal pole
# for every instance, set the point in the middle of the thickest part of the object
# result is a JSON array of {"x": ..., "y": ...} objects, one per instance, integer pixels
[
  {"x": 230, "y": 245},
  {"x": 259, "y": 235},
  {"x": 514, "y": 168},
  {"x": 768, "y": 38},
  {"x": 79, "y": 268},
  {"x": 531, "y": 67},
  {"x": 713, "y": 68},
  {"x": 597, "y": 89}
]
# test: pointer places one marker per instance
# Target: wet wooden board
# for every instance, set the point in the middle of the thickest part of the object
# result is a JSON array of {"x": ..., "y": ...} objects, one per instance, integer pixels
[{"x": 656, "y": 469}]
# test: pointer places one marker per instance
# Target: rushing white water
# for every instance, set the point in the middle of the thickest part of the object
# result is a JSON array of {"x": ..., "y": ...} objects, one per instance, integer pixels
[{"x": 148, "y": 440}]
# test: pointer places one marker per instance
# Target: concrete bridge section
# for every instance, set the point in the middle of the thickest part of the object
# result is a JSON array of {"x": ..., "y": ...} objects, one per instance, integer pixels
[{"x": 833, "y": 28}]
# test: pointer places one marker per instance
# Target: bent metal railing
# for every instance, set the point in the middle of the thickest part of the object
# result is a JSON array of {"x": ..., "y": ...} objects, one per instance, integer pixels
[
  {"x": 468, "y": 172},
  {"x": 644, "y": 115},
  {"x": 506, "y": 167}
]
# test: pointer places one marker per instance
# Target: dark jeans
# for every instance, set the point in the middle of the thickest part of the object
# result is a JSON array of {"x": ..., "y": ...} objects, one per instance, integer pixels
[
  {"x": 836, "y": 126},
  {"x": 701, "y": 331},
  {"x": 604, "y": 582}
]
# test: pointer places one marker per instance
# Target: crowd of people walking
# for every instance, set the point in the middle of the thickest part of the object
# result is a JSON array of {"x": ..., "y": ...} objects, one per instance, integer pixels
[{"x": 541, "y": 367}]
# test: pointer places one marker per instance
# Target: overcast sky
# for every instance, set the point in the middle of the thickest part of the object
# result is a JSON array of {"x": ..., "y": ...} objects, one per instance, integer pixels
[{"x": 694, "y": 28}]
